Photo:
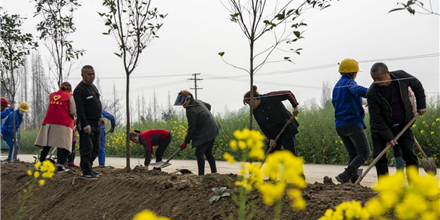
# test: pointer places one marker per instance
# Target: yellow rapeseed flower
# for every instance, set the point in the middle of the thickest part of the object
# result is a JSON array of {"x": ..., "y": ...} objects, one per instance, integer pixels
[
  {"x": 148, "y": 215},
  {"x": 229, "y": 158},
  {"x": 431, "y": 133},
  {"x": 437, "y": 119},
  {"x": 233, "y": 144},
  {"x": 422, "y": 131},
  {"x": 414, "y": 125},
  {"x": 37, "y": 165},
  {"x": 41, "y": 182},
  {"x": 271, "y": 191},
  {"x": 29, "y": 173},
  {"x": 433, "y": 124},
  {"x": 36, "y": 174}
]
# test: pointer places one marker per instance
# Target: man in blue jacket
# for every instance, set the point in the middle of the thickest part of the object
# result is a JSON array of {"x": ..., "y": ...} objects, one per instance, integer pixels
[
  {"x": 101, "y": 154},
  {"x": 7, "y": 129},
  {"x": 349, "y": 119},
  {"x": 5, "y": 111}
]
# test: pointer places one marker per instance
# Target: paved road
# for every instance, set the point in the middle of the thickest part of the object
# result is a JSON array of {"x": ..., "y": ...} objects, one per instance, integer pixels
[{"x": 313, "y": 172}]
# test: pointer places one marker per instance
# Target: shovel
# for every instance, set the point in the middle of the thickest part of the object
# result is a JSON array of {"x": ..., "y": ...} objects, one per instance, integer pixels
[
  {"x": 183, "y": 171},
  {"x": 384, "y": 151},
  {"x": 276, "y": 139},
  {"x": 162, "y": 164},
  {"x": 428, "y": 163}
]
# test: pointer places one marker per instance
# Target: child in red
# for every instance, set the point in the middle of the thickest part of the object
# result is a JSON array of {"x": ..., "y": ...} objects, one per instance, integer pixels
[{"x": 150, "y": 138}]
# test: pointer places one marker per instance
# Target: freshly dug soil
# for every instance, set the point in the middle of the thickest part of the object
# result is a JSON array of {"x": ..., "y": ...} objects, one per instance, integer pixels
[{"x": 118, "y": 194}]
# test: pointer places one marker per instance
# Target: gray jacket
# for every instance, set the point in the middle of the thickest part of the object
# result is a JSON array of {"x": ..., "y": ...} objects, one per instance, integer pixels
[{"x": 202, "y": 126}]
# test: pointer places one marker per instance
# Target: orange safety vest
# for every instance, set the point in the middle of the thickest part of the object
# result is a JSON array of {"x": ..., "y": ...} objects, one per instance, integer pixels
[{"x": 58, "y": 112}]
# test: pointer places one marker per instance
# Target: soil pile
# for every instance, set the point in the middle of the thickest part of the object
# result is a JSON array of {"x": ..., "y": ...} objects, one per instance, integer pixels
[{"x": 120, "y": 195}]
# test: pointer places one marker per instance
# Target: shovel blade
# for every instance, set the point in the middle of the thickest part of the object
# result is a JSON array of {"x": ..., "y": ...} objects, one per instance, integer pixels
[
  {"x": 157, "y": 164},
  {"x": 164, "y": 165},
  {"x": 429, "y": 166}
]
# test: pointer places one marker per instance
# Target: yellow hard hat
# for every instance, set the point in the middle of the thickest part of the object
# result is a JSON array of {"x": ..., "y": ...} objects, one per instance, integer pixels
[
  {"x": 349, "y": 66},
  {"x": 24, "y": 106}
]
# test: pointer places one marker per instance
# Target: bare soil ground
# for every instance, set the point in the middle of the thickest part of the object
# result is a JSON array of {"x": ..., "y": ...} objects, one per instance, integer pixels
[{"x": 120, "y": 195}]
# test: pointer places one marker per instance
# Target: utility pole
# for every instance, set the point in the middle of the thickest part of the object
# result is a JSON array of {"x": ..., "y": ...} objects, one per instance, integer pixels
[{"x": 195, "y": 83}]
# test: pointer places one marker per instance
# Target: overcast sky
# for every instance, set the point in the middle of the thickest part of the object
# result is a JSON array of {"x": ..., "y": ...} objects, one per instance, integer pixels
[{"x": 196, "y": 30}]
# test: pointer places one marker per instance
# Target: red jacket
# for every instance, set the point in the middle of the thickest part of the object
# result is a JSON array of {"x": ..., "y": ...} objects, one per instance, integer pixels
[
  {"x": 153, "y": 137},
  {"x": 58, "y": 112}
]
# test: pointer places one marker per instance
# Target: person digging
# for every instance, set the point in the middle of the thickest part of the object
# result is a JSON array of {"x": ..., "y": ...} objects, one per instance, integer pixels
[{"x": 150, "y": 138}]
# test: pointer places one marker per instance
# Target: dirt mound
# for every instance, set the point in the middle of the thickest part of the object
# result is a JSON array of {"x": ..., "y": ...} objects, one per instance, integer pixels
[{"x": 120, "y": 195}]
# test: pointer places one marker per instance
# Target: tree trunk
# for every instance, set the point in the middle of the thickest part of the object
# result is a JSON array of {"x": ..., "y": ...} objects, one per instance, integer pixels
[
  {"x": 251, "y": 72},
  {"x": 127, "y": 108}
]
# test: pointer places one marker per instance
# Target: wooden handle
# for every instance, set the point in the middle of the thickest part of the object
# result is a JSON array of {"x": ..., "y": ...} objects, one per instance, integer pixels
[
  {"x": 420, "y": 148},
  {"x": 278, "y": 137},
  {"x": 386, "y": 149}
]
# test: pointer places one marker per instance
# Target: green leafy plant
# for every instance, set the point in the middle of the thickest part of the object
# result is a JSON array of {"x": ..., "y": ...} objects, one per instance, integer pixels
[{"x": 220, "y": 193}]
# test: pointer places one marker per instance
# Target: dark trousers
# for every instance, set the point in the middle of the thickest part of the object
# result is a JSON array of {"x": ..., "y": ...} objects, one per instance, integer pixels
[
  {"x": 71, "y": 157},
  {"x": 406, "y": 143},
  {"x": 287, "y": 143},
  {"x": 89, "y": 148},
  {"x": 205, "y": 149},
  {"x": 163, "y": 144},
  {"x": 62, "y": 154},
  {"x": 356, "y": 142}
]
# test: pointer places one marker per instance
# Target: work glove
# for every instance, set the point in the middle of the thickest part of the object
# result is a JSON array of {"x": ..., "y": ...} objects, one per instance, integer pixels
[{"x": 183, "y": 146}]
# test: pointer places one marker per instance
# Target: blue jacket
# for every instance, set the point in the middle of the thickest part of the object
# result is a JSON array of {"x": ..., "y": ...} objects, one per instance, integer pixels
[
  {"x": 4, "y": 114},
  {"x": 347, "y": 100},
  {"x": 7, "y": 127},
  {"x": 109, "y": 117}
]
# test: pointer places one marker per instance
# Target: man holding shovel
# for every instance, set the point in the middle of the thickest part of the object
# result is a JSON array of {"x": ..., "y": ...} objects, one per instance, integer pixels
[{"x": 390, "y": 110}]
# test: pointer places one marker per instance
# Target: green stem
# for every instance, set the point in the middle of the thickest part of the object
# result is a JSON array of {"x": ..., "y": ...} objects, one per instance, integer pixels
[
  {"x": 242, "y": 204},
  {"x": 278, "y": 208},
  {"x": 26, "y": 196}
]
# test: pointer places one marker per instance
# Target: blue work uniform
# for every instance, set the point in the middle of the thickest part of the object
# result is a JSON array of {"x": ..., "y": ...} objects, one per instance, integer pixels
[
  {"x": 8, "y": 131},
  {"x": 5, "y": 114},
  {"x": 101, "y": 154}
]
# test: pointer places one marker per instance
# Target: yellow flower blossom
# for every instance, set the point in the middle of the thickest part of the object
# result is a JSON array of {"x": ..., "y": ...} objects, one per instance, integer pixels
[
  {"x": 422, "y": 131},
  {"x": 271, "y": 192},
  {"x": 41, "y": 182},
  {"x": 148, "y": 215},
  {"x": 229, "y": 158},
  {"x": 36, "y": 174},
  {"x": 431, "y": 133},
  {"x": 233, "y": 144},
  {"x": 437, "y": 119},
  {"x": 29, "y": 173},
  {"x": 433, "y": 124},
  {"x": 414, "y": 125}
]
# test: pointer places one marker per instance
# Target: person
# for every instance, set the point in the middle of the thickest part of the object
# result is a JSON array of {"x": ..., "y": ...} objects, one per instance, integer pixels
[
  {"x": 349, "y": 119},
  {"x": 150, "y": 138},
  {"x": 202, "y": 129},
  {"x": 390, "y": 110},
  {"x": 57, "y": 126},
  {"x": 88, "y": 109},
  {"x": 271, "y": 115},
  {"x": 101, "y": 153},
  {"x": 5, "y": 111},
  {"x": 7, "y": 128},
  {"x": 71, "y": 157}
]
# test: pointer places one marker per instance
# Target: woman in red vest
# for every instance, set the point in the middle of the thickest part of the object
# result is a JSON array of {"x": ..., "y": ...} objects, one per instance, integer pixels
[
  {"x": 150, "y": 138},
  {"x": 57, "y": 127}
]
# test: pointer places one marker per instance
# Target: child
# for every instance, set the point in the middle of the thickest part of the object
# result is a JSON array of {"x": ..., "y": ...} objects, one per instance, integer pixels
[
  {"x": 150, "y": 138},
  {"x": 7, "y": 129}
]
